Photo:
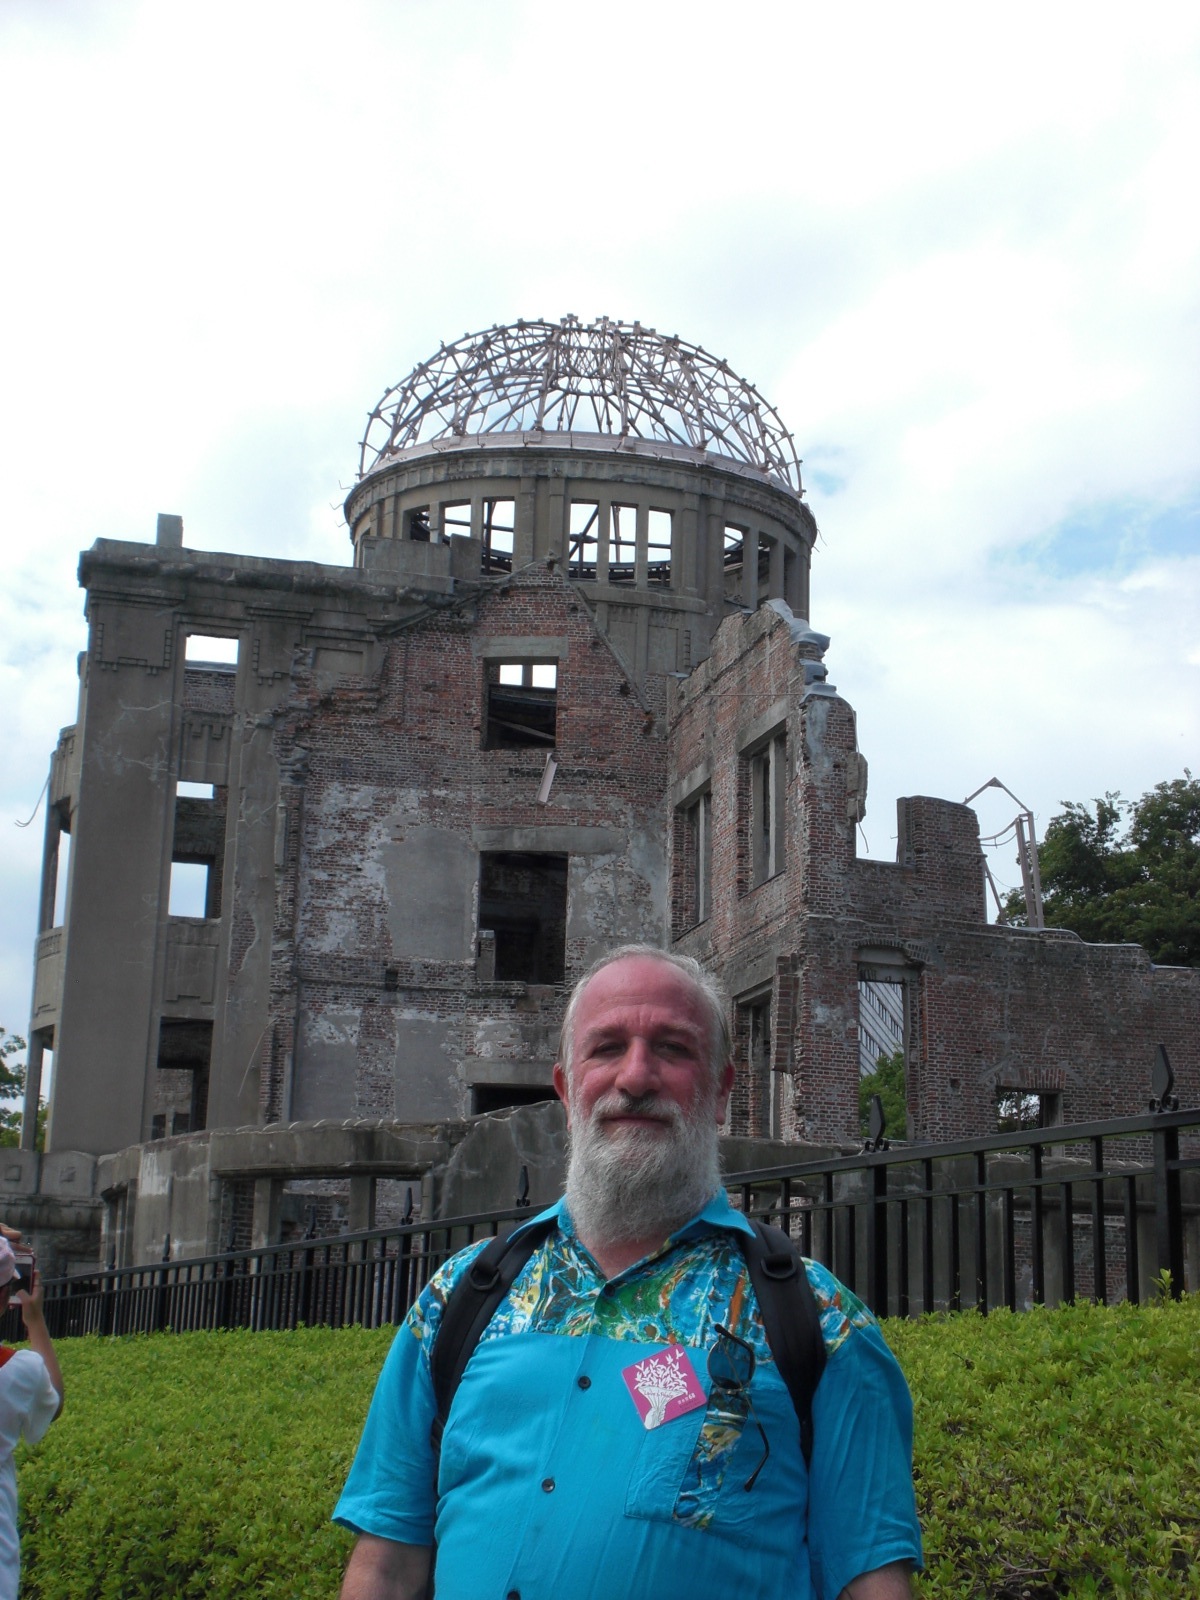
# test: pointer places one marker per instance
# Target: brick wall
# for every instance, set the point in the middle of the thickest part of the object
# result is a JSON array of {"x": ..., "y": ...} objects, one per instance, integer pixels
[{"x": 987, "y": 1007}]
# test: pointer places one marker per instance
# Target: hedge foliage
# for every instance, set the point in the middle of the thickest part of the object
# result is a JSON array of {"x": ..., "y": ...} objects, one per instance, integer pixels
[{"x": 1057, "y": 1454}]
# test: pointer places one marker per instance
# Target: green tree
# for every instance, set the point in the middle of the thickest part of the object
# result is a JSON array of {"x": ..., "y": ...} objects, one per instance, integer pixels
[
  {"x": 887, "y": 1081},
  {"x": 1126, "y": 873},
  {"x": 12, "y": 1094}
]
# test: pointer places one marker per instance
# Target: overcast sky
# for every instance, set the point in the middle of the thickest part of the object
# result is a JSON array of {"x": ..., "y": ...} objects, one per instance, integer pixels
[{"x": 958, "y": 249}]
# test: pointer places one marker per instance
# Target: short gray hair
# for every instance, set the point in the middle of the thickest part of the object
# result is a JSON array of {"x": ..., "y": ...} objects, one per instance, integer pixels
[{"x": 712, "y": 999}]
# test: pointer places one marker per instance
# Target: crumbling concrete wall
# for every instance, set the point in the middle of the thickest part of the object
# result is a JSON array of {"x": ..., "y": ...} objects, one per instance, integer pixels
[{"x": 381, "y": 1002}]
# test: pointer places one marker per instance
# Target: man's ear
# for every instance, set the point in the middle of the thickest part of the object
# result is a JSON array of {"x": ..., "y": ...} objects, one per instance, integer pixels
[
  {"x": 723, "y": 1092},
  {"x": 561, "y": 1089}
]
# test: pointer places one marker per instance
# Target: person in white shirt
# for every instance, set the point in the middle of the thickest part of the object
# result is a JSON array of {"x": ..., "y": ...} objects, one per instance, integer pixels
[{"x": 31, "y": 1396}]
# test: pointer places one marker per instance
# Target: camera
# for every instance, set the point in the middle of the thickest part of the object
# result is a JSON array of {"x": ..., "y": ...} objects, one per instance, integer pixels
[{"x": 23, "y": 1277}]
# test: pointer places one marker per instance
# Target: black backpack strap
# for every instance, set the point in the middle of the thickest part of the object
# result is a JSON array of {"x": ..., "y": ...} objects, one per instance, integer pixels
[
  {"x": 791, "y": 1318},
  {"x": 469, "y": 1308}
]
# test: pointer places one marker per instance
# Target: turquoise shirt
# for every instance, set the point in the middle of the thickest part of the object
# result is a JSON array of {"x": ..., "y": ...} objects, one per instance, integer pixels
[{"x": 550, "y": 1485}]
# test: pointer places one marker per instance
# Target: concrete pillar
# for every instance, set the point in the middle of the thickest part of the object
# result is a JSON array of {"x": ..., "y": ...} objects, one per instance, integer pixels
[
  {"x": 750, "y": 569},
  {"x": 551, "y": 539},
  {"x": 268, "y": 1200},
  {"x": 524, "y": 518},
  {"x": 603, "y": 526},
  {"x": 712, "y": 581},
  {"x": 361, "y": 1215},
  {"x": 775, "y": 587},
  {"x": 33, "y": 1091},
  {"x": 685, "y": 545},
  {"x": 643, "y": 539}
]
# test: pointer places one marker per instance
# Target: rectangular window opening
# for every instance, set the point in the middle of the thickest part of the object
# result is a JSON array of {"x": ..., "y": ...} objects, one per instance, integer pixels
[
  {"x": 487, "y": 1097},
  {"x": 622, "y": 545},
  {"x": 658, "y": 550},
  {"x": 523, "y": 902},
  {"x": 522, "y": 705},
  {"x": 456, "y": 520},
  {"x": 184, "y": 1061},
  {"x": 416, "y": 524},
  {"x": 768, "y": 792},
  {"x": 583, "y": 539},
  {"x": 211, "y": 650},
  {"x": 693, "y": 863},
  {"x": 188, "y": 894},
  {"x": 499, "y": 528},
  {"x": 197, "y": 851},
  {"x": 882, "y": 1064},
  {"x": 1019, "y": 1109},
  {"x": 62, "y": 879},
  {"x": 756, "y": 1105}
]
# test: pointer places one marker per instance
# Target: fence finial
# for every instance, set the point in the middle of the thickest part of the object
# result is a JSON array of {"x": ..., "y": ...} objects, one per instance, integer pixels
[
  {"x": 1162, "y": 1082},
  {"x": 877, "y": 1123}
]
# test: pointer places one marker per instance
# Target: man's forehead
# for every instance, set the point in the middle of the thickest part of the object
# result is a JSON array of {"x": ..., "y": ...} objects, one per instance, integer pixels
[{"x": 641, "y": 984}]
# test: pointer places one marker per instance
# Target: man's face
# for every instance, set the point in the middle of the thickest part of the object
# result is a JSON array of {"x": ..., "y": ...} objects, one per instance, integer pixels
[{"x": 640, "y": 1056}]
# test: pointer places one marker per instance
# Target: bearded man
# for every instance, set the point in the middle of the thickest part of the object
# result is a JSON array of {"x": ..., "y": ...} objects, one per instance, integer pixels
[{"x": 593, "y": 1450}]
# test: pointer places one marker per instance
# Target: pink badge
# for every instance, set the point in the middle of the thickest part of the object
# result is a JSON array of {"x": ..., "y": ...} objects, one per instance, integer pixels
[{"x": 664, "y": 1386}]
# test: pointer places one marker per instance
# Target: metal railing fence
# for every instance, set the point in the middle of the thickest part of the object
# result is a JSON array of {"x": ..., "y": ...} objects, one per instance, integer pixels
[{"x": 1100, "y": 1210}]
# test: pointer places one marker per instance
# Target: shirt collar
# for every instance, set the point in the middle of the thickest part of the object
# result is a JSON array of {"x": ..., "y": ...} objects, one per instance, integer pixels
[{"x": 718, "y": 1213}]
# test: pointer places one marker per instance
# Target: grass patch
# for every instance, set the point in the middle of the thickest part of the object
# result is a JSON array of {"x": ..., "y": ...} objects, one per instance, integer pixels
[{"x": 1058, "y": 1455}]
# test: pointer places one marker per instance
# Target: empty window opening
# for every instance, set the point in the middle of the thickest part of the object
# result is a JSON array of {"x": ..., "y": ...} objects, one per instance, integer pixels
[
  {"x": 181, "y": 1087},
  {"x": 583, "y": 539},
  {"x": 523, "y": 901},
  {"x": 756, "y": 1105},
  {"x": 456, "y": 520},
  {"x": 733, "y": 556},
  {"x": 499, "y": 527},
  {"x": 1019, "y": 1109},
  {"x": 197, "y": 852},
  {"x": 487, "y": 1097},
  {"x": 693, "y": 863},
  {"x": 622, "y": 545},
  {"x": 189, "y": 889},
  {"x": 658, "y": 549},
  {"x": 416, "y": 524},
  {"x": 209, "y": 650},
  {"x": 522, "y": 705},
  {"x": 61, "y": 869},
  {"x": 880, "y": 1022},
  {"x": 882, "y": 1065},
  {"x": 768, "y": 789}
]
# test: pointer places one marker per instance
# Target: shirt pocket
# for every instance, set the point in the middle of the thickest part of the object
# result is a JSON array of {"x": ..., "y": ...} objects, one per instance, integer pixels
[{"x": 690, "y": 1473}]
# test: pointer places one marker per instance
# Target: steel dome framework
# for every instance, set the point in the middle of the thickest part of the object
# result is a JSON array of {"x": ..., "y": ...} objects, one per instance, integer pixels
[{"x": 608, "y": 378}]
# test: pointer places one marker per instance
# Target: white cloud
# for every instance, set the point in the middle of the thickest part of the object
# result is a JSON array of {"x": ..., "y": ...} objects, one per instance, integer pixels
[{"x": 956, "y": 250}]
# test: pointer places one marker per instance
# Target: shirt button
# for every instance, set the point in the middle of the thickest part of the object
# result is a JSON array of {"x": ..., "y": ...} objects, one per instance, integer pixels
[
  {"x": 513, "y": 1594},
  {"x": 548, "y": 1485},
  {"x": 585, "y": 1382}
]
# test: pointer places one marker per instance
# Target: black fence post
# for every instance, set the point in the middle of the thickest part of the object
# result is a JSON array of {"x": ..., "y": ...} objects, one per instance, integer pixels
[
  {"x": 160, "y": 1288},
  {"x": 1168, "y": 1207},
  {"x": 877, "y": 1242}
]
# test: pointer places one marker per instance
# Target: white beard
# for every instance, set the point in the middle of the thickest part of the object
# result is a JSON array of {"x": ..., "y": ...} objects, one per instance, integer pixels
[{"x": 625, "y": 1185}]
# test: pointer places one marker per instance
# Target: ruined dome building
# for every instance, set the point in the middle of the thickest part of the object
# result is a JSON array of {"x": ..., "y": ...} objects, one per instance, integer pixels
[{"x": 567, "y": 695}]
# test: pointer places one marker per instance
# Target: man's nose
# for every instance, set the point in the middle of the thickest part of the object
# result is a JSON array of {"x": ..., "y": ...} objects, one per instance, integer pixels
[{"x": 639, "y": 1072}]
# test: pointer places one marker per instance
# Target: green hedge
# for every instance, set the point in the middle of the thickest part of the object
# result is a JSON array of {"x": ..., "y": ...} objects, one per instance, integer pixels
[{"x": 1058, "y": 1454}]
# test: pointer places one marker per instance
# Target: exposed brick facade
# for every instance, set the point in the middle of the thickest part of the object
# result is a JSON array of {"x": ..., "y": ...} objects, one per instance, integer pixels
[{"x": 987, "y": 1007}]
